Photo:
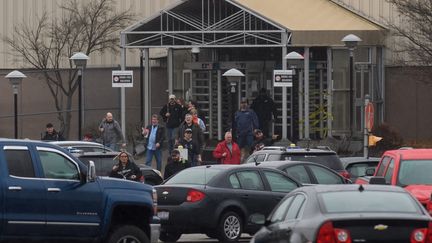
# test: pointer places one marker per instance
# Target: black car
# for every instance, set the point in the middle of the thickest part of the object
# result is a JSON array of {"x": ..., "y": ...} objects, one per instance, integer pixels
[
  {"x": 307, "y": 172},
  {"x": 219, "y": 200},
  {"x": 357, "y": 166},
  {"x": 323, "y": 156},
  {"x": 347, "y": 213},
  {"x": 104, "y": 161}
]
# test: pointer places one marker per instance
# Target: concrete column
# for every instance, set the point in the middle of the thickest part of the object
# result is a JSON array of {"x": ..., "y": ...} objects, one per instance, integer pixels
[
  {"x": 306, "y": 93},
  {"x": 170, "y": 65},
  {"x": 147, "y": 93},
  {"x": 122, "y": 89}
]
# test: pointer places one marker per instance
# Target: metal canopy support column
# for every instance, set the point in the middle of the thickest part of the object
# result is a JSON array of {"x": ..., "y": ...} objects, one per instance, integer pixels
[
  {"x": 219, "y": 101},
  {"x": 122, "y": 91},
  {"x": 146, "y": 54},
  {"x": 306, "y": 93},
  {"x": 284, "y": 89},
  {"x": 329, "y": 91},
  {"x": 170, "y": 70}
]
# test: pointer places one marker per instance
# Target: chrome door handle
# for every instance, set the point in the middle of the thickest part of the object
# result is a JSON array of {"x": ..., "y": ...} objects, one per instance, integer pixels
[
  {"x": 51, "y": 189},
  {"x": 14, "y": 188}
]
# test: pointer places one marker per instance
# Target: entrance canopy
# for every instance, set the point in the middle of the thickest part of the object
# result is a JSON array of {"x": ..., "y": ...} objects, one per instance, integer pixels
[{"x": 251, "y": 23}]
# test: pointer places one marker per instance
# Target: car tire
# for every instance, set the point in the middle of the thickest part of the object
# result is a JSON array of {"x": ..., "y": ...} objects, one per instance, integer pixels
[
  {"x": 230, "y": 227},
  {"x": 169, "y": 236},
  {"x": 127, "y": 233}
]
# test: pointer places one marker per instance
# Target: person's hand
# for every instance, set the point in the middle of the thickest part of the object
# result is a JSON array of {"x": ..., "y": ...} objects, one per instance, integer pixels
[
  {"x": 123, "y": 145},
  {"x": 167, "y": 114},
  {"x": 275, "y": 136},
  {"x": 157, "y": 145},
  {"x": 115, "y": 167},
  {"x": 101, "y": 129},
  {"x": 133, "y": 177},
  {"x": 224, "y": 154}
]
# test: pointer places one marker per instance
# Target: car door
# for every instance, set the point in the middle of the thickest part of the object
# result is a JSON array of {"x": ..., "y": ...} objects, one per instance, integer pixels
[
  {"x": 24, "y": 194},
  {"x": 252, "y": 193},
  {"x": 325, "y": 176},
  {"x": 279, "y": 185},
  {"x": 300, "y": 173},
  {"x": 74, "y": 207}
]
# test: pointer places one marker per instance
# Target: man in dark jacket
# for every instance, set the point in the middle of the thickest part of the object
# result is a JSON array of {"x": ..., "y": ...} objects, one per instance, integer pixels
[
  {"x": 51, "y": 134},
  {"x": 265, "y": 109},
  {"x": 194, "y": 157},
  {"x": 155, "y": 136},
  {"x": 245, "y": 123},
  {"x": 174, "y": 164},
  {"x": 172, "y": 115},
  {"x": 126, "y": 169}
]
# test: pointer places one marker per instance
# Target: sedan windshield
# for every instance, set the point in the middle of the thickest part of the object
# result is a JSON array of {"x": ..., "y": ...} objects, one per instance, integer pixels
[
  {"x": 412, "y": 172},
  {"x": 368, "y": 201},
  {"x": 196, "y": 175}
]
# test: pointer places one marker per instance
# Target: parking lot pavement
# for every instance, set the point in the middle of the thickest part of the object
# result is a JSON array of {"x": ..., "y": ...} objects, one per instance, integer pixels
[{"x": 203, "y": 238}]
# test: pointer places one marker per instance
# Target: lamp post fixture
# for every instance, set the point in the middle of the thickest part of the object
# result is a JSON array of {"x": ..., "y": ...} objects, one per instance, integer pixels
[
  {"x": 295, "y": 56},
  {"x": 80, "y": 61},
  {"x": 351, "y": 42},
  {"x": 15, "y": 78},
  {"x": 234, "y": 75}
]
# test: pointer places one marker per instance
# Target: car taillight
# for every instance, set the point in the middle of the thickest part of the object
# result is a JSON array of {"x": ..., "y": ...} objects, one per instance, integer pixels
[
  {"x": 422, "y": 235},
  {"x": 155, "y": 197},
  {"x": 345, "y": 174},
  {"x": 328, "y": 234},
  {"x": 194, "y": 196}
]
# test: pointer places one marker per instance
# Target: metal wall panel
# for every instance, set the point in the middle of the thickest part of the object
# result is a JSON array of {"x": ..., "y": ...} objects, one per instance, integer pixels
[{"x": 14, "y": 12}]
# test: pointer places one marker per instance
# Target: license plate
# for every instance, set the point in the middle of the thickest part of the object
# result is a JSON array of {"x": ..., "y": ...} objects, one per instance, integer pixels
[{"x": 163, "y": 215}]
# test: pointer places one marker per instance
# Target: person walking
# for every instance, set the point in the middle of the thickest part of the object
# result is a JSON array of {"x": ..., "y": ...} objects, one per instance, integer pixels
[
  {"x": 172, "y": 115},
  {"x": 174, "y": 164},
  {"x": 112, "y": 134},
  {"x": 51, "y": 134},
  {"x": 227, "y": 151},
  {"x": 194, "y": 157},
  {"x": 155, "y": 136},
  {"x": 197, "y": 134},
  {"x": 126, "y": 169},
  {"x": 245, "y": 123},
  {"x": 265, "y": 109}
]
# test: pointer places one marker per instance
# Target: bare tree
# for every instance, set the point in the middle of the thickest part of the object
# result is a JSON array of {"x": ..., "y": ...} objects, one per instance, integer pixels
[
  {"x": 48, "y": 43},
  {"x": 415, "y": 26}
]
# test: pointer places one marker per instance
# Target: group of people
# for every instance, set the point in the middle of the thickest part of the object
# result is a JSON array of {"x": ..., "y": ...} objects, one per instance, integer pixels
[{"x": 184, "y": 131}]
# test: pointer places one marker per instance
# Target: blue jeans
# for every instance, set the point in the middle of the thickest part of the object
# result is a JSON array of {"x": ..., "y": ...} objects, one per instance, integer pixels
[
  {"x": 245, "y": 141},
  {"x": 113, "y": 146},
  {"x": 171, "y": 136},
  {"x": 158, "y": 155}
]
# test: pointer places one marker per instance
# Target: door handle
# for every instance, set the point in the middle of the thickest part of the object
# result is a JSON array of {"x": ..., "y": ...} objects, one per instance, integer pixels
[
  {"x": 246, "y": 196},
  {"x": 51, "y": 189},
  {"x": 14, "y": 188}
]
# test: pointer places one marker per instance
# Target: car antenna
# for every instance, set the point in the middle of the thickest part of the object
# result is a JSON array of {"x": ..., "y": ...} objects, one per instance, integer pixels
[
  {"x": 205, "y": 176},
  {"x": 361, "y": 188},
  {"x": 256, "y": 162}
]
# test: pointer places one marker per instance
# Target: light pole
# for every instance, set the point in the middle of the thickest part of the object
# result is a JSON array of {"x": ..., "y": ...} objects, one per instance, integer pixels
[
  {"x": 351, "y": 42},
  {"x": 294, "y": 56},
  {"x": 15, "y": 78},
  {"x": 80, "y": 60},
  {"x": 234, "y": 75}
]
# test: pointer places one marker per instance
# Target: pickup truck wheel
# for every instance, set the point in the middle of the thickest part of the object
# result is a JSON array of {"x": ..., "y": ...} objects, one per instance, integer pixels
[
  {"x": 230, "y": 227},
  {"x": 128, "y": 234},
  {"x": 169, "y": 236}
]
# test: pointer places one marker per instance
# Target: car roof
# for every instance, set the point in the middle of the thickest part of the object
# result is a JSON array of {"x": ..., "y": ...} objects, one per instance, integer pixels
[
  {"x": 409, "y": 153},
  {"x": 75, "y": 143},
  {"x": 277, "y": 164},
  {"x": 352, "y": 160},
  {"x": 352, "y": 187},
  {"x": 295, "y": 151},
  {"x": 99, "y": 154}
]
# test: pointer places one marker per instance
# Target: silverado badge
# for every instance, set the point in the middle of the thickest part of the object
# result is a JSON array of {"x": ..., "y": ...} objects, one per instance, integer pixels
[{"x": 380, "y": 227}]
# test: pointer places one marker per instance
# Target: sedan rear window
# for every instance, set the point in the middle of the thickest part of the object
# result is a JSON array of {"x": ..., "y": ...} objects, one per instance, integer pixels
[
  {"x": 368, "y": 201},
  {"x": 197, "y": 176},
  {"x": 330, "y": 160}
]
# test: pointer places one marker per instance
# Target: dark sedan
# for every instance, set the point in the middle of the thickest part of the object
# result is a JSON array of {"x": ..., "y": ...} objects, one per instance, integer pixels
[
  {"x": 221, "y": 201},
  {"x": 308, "y": 172},
  {"x": 347, "y": 213},
  {"x": 104, "y": 161}
]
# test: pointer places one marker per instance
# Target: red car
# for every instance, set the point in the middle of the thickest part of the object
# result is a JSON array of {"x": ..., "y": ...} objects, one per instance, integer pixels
[{"x": 408, "y": 168}]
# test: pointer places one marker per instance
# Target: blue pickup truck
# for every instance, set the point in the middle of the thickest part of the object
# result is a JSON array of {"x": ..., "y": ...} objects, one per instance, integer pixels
[{"x": 46, "y": 193}]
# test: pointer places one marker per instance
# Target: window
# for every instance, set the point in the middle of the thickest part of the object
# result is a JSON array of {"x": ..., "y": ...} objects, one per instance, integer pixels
[
  {"x": 235, "y": 183},
  {"x": 280, "y": 210},
  {"x": 250, "y": 180},
  {"x": 382, "y": 166},
  {"x": 389, "y": 172},
  {"x": 325, "y": 176},
  {"x": 295, "y": 207},
  {"x": 19, "y": 163},
  {"x": 279, "y": 183},
  {"x": 298, "y": 172},
  {"x": 274, "y": 157},
  {"x": 56, "y": 166},
  {"x": 260, "y": 157}
]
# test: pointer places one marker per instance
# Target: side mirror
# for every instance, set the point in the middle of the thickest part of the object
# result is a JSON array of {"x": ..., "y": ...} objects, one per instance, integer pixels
[
  {"x": 91, "y": 173},
  {"x": 370, "y": 171},
  {"x": 378, "y": 180}
]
